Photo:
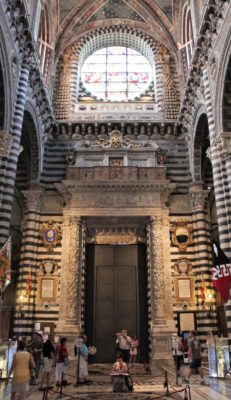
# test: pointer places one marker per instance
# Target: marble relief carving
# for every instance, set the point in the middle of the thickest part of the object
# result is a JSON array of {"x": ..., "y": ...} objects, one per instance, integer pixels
[
  {"x": 70, "y": 282},
  {"x": 5, "y": 143},
  {"x": 157, "y": 272}
]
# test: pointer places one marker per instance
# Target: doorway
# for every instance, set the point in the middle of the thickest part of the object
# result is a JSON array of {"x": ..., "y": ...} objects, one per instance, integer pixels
[{"x": 115, "y": 297}]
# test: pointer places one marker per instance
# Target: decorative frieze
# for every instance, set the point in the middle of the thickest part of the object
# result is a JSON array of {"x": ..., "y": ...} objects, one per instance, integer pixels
[{"x": 95, "y": 130}]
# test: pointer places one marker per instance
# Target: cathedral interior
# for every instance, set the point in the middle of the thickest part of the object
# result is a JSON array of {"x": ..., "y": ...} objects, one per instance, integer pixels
[{"x": 115, "y": 178}]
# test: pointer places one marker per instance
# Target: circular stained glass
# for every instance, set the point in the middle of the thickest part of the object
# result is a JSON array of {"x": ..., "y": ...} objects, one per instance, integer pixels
[{"x": 116, "y": 74}]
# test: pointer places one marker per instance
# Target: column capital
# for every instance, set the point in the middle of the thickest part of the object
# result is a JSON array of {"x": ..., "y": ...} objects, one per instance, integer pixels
[
  {"x": 198, "y": 195},
  {"x": 33, "y": 198}
]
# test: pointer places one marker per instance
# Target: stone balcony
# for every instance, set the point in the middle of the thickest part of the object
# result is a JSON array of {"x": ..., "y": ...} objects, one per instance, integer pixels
[{"x": 116, "y": 174}]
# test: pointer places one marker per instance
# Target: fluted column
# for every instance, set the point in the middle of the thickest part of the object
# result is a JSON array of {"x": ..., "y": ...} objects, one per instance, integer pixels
[
  {"x": 162, "y": 323},
  {"x": 70, "y": 305},
  {"x": 28, "y": 259}
]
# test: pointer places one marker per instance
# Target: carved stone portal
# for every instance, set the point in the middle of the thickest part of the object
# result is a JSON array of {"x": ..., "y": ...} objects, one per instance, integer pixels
[{"x": 124, "y": 193}]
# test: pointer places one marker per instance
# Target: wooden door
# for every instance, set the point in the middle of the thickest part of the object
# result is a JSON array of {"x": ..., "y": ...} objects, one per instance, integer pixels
[{"x": 112, "y": 297}]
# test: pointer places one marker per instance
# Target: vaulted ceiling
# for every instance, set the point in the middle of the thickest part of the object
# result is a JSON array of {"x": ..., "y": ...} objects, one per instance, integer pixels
[
  {"x": 111, "y": 5},
  {"x": 80, "y": 17}
]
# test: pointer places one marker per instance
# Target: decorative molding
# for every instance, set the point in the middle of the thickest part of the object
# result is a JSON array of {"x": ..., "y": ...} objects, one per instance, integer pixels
[
  {"x": 51, "y": 234},
  {"x": 5, "y": 143},
  {"x": 183, "y": 266},
  {"x": 48, "y": 267},
  {"x": 181, "y": 235}
]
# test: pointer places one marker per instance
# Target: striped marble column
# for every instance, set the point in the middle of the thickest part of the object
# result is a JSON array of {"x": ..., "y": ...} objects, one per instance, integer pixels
[
  {"x": 8, "y": 175},
  {"x": 225, "y": 154},
  {"x": 221, "y": 187},
  {"x": 23, "y": 322},
  {"x": 203, "y": 256}
]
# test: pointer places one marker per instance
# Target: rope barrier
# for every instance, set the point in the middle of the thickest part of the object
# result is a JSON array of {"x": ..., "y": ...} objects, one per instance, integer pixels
[{"x": 166, "y": 383}]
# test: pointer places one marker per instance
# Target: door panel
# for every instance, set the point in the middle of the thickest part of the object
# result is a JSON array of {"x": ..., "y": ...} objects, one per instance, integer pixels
[
  {"x": 104, "y": 321},
  {"x": 126, "y": 304},
  {"x": 113, "y": 300}
]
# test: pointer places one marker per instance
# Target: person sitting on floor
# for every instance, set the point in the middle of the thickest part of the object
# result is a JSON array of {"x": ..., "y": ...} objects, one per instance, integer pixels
[
  {"x": 122, "y": 382},
  {"x": 119, "y": 367}
]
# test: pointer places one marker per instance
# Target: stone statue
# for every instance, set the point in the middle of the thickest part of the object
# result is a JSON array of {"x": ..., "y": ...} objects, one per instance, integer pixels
[{"x": 77, "y": 133}]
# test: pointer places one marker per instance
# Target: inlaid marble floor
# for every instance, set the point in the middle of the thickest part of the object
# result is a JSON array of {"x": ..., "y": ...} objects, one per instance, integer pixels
[{"x": 146, "y": 387}]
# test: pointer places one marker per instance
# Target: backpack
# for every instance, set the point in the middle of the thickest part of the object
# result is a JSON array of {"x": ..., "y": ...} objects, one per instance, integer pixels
[
  {"x": 129, "y": 382},
  {"x": 180, "y": 346}
]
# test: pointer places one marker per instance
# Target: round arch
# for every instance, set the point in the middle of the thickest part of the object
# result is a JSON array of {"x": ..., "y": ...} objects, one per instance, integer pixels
[
  {"x": 200, "y": 161},
  {"x": 29, "y": 162},
  {"x": 221, "y": 74},
  {"x": 5, "y": 84}
]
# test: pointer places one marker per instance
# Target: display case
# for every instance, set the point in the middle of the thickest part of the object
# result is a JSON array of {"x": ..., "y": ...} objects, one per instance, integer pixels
[
  {"x": 218, "y": 357},
  {"x": 7, "y": 350},
  {"x": 4, "y": 345}
]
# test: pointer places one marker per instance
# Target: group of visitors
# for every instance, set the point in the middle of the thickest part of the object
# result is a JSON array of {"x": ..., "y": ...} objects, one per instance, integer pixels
[
  {"x": 127, "y": 346},
  {"x": 34, "y": 361}
]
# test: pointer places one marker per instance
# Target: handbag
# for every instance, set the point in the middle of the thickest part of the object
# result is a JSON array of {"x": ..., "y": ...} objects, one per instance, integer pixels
[{"x": 66, "y": 362}]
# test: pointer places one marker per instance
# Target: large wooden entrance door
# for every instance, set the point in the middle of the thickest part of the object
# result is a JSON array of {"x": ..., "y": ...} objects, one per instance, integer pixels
[{"x": 113, "y": 297}]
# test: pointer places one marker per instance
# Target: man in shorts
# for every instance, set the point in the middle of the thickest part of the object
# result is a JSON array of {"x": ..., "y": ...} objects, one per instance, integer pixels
[
  {"x": 194, "y": 356},
  {"x": 48, "y": 358}
]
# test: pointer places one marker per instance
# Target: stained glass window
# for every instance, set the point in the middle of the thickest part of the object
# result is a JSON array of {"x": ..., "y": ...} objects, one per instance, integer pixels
[{"x": 116, "y": 74}]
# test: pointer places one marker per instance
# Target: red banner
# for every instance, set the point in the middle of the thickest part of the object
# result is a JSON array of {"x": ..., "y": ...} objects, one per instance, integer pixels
[
  {"x": 221, "y": 272},
  {"x": 5, "y": 264},
  {"x": 222, "y": 280}
]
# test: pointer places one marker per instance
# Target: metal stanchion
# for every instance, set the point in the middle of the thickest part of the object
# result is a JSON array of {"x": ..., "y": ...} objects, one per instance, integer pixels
[
  {"x": 79, "y": 343},
  {"x": 166, "y": 382},
  {"x": 61, "y": 386},
  {"x": 45, "y": 393},
  {"x": 176, "y": 371}
]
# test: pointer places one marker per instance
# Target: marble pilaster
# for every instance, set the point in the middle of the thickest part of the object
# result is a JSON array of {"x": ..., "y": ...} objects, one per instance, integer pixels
[
  {"x": 162, "y": 323},
  {"x": 69, "y": 323}
]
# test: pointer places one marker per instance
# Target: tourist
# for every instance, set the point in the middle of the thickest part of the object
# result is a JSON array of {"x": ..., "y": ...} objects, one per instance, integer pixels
[
  {"x": 81, "y": 352},
  {"x": 37, "y": 349},
  {"x": 178, "y": 352},
  {"x": 133, "y": 350},
  {"x": 61, "y": 362},
  {"x": 48, "y": 359},
  {"x": 119, "y": 367},
  {"x": 194, "y": 357},
  {"x": 124, "y": 342},
  {"x": 22, "y": 362}
]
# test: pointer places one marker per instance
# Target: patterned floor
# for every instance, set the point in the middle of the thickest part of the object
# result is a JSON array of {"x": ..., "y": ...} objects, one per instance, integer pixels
[{"x": 146, "y": 387}]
